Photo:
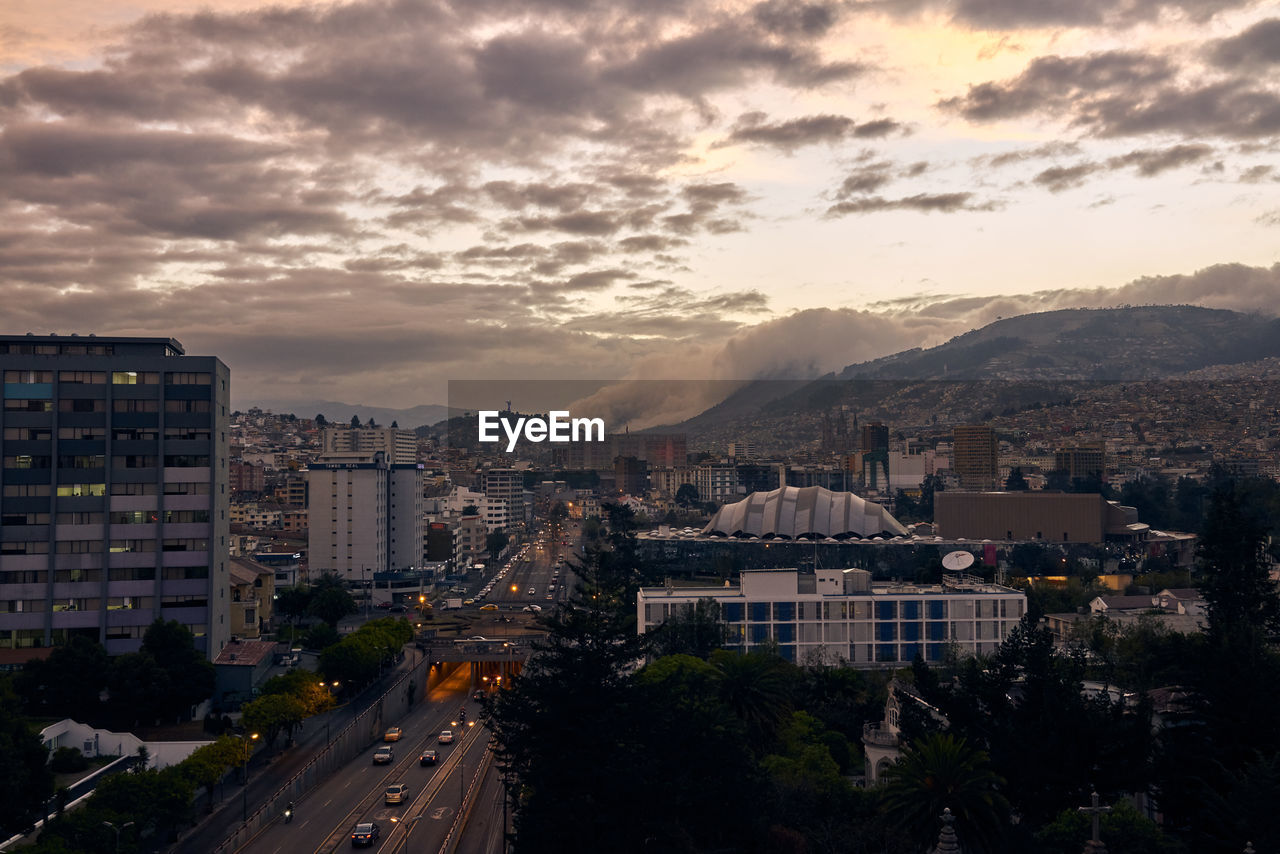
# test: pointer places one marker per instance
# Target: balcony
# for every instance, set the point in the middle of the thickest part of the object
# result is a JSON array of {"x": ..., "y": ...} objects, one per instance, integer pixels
[{"x": 874, "y": 734}]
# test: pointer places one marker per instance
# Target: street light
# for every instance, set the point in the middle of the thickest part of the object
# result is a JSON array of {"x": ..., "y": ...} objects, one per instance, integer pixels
[
  {"x": 117, "y": 830},
  {"x": 244, "y": 769},
  {"x": 408, "y": 827}
]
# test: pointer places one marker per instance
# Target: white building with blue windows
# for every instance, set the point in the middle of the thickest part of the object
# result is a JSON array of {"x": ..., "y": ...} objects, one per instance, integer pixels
[{"x": 839, "y": 616}]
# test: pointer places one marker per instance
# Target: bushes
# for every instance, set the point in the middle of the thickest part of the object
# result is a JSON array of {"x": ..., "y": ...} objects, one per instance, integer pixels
[{"x": 67, "y": 760}]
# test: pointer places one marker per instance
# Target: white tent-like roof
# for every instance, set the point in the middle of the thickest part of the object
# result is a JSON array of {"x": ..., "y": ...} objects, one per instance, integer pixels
[{"x": 803, "y": 512}]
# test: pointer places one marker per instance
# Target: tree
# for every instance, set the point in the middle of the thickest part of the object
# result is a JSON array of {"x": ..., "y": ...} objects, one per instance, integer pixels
[
  {"x": 321, "y": 421},
  {"x": 756, "y": 687},
  {"x": 470, "y": 510},
  {"x": 272, "y": 714},
  {"x": 69, "y": 681},
  {"x": 355, "y": 421},
  {"x": 495, "y": 542},
  {"x": 139, "y": 688},
  {"x": 395, "y": 425},
  {"x": 687, "y": 496},
  {"x": 941, "y": 772},
  {"x": 1232, "y": 557},
  {"x": 190, "y": 674},
  {"x": 1016, "y": 482},
  {"x": 26, "y": 782},
  {"x": 697, "y": 631},
  {"x": 330, "y": 601}
]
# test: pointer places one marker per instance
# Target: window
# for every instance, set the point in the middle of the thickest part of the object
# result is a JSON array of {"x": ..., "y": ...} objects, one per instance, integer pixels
[
  {"x": 186, "y": 406},
  {"x": 886, "y": 610},
  {"x": 135, "y": 377},
  {"x": 13, "y": 519},
  {"x": 28, "y": 405},
  {"x": 133, "y": 404},
  {"x": 186, "y": 460},
  {"x": 80, "y": 490},
  {"x": 186, "y": 516},
  {"x": 186, "y": 488},
  {"x": 24, "y": 576},
  {"x": 186, "y": 434},
  {"x": 135, "y": 434},
  {"x": 75, "y": 547},
  {"x": 134, "y": 461},
  {"x": 79, "y": 519},
  {"x": 187, "y": 544},
  {"x": 94, "y": 433},
  {"x": 85, "y": 377},
  {"x": 120, "y": 546},
  {"x": 134, "y": 517},
  {"x": 82, "y": 404},
  {"x": 28, "y": 434},
  {"x": 81, "y": 461},
  {"x": 133, "y": 489},
  {"x": 27, "y": 377},
  {"x": 186, "y": 378},
  {"x": 27, "y": 490},
  {"x": 27, "y": 547},
  {"x": 196, "y": 600},
  {"x": 131, "y": 573},
  {"x": 178, "y": 573}
]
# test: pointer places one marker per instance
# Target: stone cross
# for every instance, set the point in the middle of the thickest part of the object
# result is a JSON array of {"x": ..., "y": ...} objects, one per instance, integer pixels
[{"x": 1095, "y": 813}]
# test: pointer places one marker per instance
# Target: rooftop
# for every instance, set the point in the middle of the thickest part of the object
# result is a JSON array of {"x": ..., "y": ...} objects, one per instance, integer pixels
[{"x": 241, "y": 653}]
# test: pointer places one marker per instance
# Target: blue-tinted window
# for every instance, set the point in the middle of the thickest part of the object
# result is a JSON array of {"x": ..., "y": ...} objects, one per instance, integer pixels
[
  {"x": 788, "y": 652},
  {"x": 911, "y": 631},
  {"x": 886, "y": 652},
  {"x": 937, "y": 610},
  {"x": 935, "y": 652},
  {"x": 784, "y": 610},
  {"x": 886, "y": 610},
  {"x": 758, "y": 612},
  {"x": 759, "y": 634},
  {"x": 886, "y": 631},
  {"x": 731, "y": 612},
  {"x": 910, "y": 610},
  {"x": 936, "y": 631},
  {"x": 785, "y": 632},
  {"x": 910, "y": 650}
]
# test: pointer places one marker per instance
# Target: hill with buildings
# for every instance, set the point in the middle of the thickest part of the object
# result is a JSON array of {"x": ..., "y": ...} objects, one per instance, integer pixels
[{"x": 1013, "y": 364}]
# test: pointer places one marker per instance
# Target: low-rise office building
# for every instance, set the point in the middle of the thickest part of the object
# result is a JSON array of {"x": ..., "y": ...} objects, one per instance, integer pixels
[{"x": 835, "y": 616}]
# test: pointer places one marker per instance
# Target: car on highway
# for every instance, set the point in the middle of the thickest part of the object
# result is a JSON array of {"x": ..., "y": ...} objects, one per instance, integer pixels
[
  {"x": 477, "y": 695},
  {"x": 445, "y": 736},
  {"x": 365, "y": 834},
  {"x": 428, "y": 757},
  {"x": 477, "y": 638},
  {"x": 393, "y": 734},
  {"x": 549, "y": 597},
  {"x": 532, "y": 608},
  {"x": 532, "y": 592},
  {"x": 395, "y": 794},
  {"x": 489, "y": 607},
  {"x": 383, "y": 755},
  {"x": 469, "y": 602}
]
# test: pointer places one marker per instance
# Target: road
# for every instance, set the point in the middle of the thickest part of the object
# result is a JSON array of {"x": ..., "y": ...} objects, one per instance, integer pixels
[{"x": 323, "y": 820}]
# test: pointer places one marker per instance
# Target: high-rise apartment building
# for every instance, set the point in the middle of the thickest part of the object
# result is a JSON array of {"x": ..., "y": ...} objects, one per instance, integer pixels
[
  {"x": 1082, "y": 461},
  {"x": 400, "y": 446},
  {"x": 976, "y": 460},
  {"x": 504, "y": 489},
  {"x": 113, "y": 491},
  {"x": 364, "y": 515}
]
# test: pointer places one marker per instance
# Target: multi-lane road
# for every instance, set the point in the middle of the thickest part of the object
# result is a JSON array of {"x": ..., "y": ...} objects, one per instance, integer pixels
[{"x": 324, "y": 819}]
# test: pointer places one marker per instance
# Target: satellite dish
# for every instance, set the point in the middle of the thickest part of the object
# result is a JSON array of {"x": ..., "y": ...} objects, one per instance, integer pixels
[{"x": 958, "y": 560}]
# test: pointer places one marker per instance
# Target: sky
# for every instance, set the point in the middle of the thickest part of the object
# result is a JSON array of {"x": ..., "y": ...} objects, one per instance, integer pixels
[{"x": 363, "y": 201}]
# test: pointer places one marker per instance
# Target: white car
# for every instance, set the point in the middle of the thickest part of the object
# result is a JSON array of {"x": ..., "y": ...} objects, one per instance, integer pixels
[
  {"x": 532, "y": 608},
  {"x": 445, "y": 736}
]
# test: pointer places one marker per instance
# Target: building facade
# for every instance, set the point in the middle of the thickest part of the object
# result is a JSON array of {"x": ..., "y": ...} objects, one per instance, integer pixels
[
  {"x": 364, "y": 516},
  {"x": 975, "y": 456},
  {"x": 838, "y": 616},
  {"x": 399, "y": 446},
  {"x": 113, "y": 491}
]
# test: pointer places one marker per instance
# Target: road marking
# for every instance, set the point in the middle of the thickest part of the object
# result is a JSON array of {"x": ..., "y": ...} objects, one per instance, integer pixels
[{"x": 440, "y": 813}]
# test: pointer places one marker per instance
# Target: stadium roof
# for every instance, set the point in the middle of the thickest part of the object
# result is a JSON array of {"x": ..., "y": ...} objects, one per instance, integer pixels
[{"x": 804, "y": 513}]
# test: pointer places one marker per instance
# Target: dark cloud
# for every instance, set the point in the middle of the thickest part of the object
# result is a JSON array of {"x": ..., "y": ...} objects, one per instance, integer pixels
[
  {"x": 925, "y": 202},
  {"x": 1146, "y": 162},
  {"x": 1036, "y": 152},
  {"x": 1039, "y": 14},
  {"x": 1059, "y": 178},
  {"x": 866, "y": 179},
  {"x": 755, "y": 128},
  {"x": 1257, "y": 48},
  {"x": 791, "y": 17},
  {"x": 1261, "y": 172}
]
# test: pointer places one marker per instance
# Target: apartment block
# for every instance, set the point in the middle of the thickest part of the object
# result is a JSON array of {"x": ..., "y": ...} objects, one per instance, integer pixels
[
  {"x": 838, "y": 616},
  {"x": 113, "y": 491},
  {"x": 976, "y": 456},
  {"x": 400, "y": 446},
  {"x": 364, "y": 515}
]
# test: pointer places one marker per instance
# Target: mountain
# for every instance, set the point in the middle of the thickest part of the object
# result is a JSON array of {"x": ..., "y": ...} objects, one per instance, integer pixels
[
  {"x": 341, "y": 412},
  {"x": 1014, "y": 363}
]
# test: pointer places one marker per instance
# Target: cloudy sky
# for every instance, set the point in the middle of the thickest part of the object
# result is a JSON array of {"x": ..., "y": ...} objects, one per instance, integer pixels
[{"x": 361, "y": 201}]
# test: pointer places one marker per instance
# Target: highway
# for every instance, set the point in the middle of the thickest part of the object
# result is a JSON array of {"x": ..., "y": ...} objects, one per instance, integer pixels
[{"x": 323, "y": 820}]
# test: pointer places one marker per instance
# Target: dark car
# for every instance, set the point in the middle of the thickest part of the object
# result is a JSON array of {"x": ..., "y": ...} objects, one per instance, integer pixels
[
  {"x": 428, "y": 757},
  {"x": 477, "y": 695},
  {"x": 364, "y": 834}
]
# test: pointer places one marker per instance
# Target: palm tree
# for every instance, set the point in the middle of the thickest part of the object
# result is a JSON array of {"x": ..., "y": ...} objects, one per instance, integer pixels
[
  {"x": 757, "y": 687},
  {"x": 939, "y": 772}
]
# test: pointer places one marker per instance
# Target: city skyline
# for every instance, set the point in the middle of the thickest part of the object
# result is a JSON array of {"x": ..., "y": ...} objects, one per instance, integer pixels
[{"x": 362, "y": 201}]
